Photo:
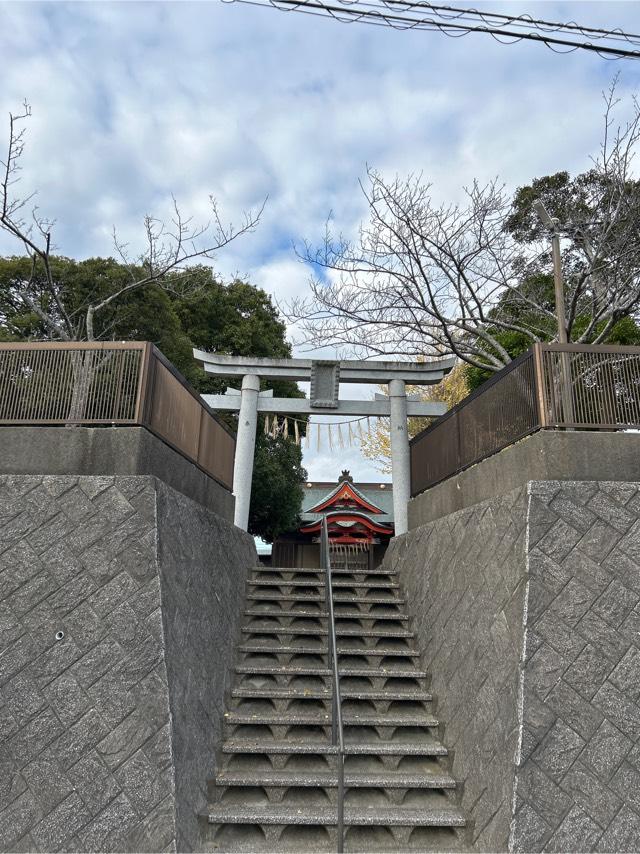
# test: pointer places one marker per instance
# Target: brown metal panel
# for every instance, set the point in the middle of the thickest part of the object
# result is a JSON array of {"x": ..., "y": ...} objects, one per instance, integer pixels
[
  {"x": 175, "y": 414},
  {"x": 605, "y": 349},
  {"x": 603, "y": 386},
  {"x": 504, "y": 413},
  {"x": 172, "y": 369},
  {"x": 500, "y": 412},
  {"x": 217, "y": 450},
  {"x": 436, "y": 455}
]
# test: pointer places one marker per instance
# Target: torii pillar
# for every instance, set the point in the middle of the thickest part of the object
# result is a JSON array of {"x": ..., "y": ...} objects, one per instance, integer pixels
[
  {"x": 245, "y": 448},
  {"x": 400, "y": 455},
  {"x": 325, "y": 377}
]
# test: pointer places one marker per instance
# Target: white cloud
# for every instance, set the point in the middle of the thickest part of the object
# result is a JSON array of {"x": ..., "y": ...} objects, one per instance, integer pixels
[{"x": 282, "y": 276}]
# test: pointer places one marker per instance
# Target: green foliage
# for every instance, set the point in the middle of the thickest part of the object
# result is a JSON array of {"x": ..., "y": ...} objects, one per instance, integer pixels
[
  {"x": 276, "y": 494},
  {"x": 580, "y": 200},
  {"x": 238, "y": 319},
  {"x": 235, "y": 318},
  {"x": 625, "y": 331},
  {"x": 570, "y": 199},
  {"x": 564, "y": 197},
  {"x": 196, "y": 310}
]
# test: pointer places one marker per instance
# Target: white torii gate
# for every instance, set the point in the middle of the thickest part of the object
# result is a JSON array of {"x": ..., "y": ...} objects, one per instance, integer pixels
[{"x": 325, "y": 377}]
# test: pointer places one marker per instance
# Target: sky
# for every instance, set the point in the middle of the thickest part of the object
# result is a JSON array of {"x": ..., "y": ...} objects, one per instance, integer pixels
[{"x": 133, "y": 102}]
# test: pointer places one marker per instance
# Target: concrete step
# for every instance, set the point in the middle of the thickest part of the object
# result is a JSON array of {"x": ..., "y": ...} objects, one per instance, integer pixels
[
  {"x": 266, "y": 570},
  {"x": 386, "y": 779},
  {"x": 340, "y": 570},
  {"x": 276, "y": 789},
  {"x": 375, "y": 615},
  {"x": 432, "y": 747},
  {"x": 339, "y": 615},
  {"x": 272, "y": 693},
  {"x": 296, "y": 670},
  {"x": 295, "y": 630},
  {"x": 274, "y": 814},
  {"x": 336, "y": 584},
  {"x": 374, "y": 652},
  {"x": 337, "y": 597},
  {"x": 324, "y": 719},
  {"x": 255, "y": 612}
]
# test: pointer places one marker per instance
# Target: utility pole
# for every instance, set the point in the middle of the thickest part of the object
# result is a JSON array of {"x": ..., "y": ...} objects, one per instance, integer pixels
[
  {"x": 566, "y": 395},
  {"x": 552, "y": 223}
]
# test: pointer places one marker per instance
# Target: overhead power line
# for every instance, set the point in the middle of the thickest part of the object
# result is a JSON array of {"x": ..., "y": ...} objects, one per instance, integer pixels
[{"x": 456, "y": 22}]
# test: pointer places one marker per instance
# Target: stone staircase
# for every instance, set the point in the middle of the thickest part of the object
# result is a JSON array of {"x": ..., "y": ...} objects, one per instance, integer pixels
[{"x": 276, "y": 789}]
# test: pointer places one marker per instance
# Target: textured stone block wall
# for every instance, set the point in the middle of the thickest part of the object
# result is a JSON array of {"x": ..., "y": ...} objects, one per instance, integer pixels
[
  {"x": 203, "y": 592},
  {"x": 527, "y": 607},
  {"x": 578, "y": 780},
  {"x": 107, "y": 734},
  {"x": 465, "y": 584}
]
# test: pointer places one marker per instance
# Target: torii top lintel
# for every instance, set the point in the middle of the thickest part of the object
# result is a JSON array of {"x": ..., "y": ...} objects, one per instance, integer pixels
[{"x": 351, "y": 371}]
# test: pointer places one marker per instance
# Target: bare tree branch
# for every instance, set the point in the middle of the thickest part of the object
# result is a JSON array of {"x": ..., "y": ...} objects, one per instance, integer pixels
[
  {"x": 170, "y": 246},
  {"x": 428, "y": 279}
]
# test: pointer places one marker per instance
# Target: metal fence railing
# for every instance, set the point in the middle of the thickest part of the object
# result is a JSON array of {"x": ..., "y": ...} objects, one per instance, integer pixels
[
  {"x": 70, "y": 383},
  {"x": 589, "y": 387},
  {"x": 113, "y": 384},
  {"x": 551, "y": 386}
]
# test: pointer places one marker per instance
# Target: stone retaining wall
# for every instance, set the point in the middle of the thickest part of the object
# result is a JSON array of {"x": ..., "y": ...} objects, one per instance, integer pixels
[
  {"x": 108, "y": 734},
  {"x": 465, "y": 583},
  {"x": 527, "y": 608},
  {"x": 98, "y": 451},
  {"x": 578, "y": 455}
]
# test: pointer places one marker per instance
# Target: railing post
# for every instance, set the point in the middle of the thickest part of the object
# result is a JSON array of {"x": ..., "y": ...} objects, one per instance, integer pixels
[
  {"x": 337, "y": 736},
  {"x": 566, "y": 389},
  {"x": 145, "y": 381},
  {"x": 116, "y": 405},
  {"x": 538, "y": 381},
  {"x": 340, "y": 845},
  {"x": 334, "y": 712}
]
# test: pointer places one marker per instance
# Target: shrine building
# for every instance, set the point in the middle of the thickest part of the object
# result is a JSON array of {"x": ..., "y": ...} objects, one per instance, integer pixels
[{"x": 359, "y": 517}]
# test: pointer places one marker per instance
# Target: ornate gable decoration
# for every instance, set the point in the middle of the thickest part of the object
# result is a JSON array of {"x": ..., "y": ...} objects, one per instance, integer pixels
[
  {"x": 358, "y": 524},
  {"x": 345, "y": 497}
]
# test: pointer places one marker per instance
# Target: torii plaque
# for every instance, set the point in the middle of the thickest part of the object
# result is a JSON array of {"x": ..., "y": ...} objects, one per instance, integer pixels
[{"x": 325, "y": 377}]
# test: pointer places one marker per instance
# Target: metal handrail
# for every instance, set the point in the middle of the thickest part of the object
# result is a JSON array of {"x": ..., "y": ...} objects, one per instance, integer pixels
[{"x": 337, "y": 735}]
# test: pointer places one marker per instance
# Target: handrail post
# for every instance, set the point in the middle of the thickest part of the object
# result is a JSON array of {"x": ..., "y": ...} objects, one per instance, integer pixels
[
  {"x": 145, "y": 385},
  {"x": 337, "y": 735},
  {"x": 539, "y": 383},
  {"x": 566, "y": 387}
]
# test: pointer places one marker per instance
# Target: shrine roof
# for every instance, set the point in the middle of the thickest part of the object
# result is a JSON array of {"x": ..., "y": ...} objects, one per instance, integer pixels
[{"x": 377, "y": 493}]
